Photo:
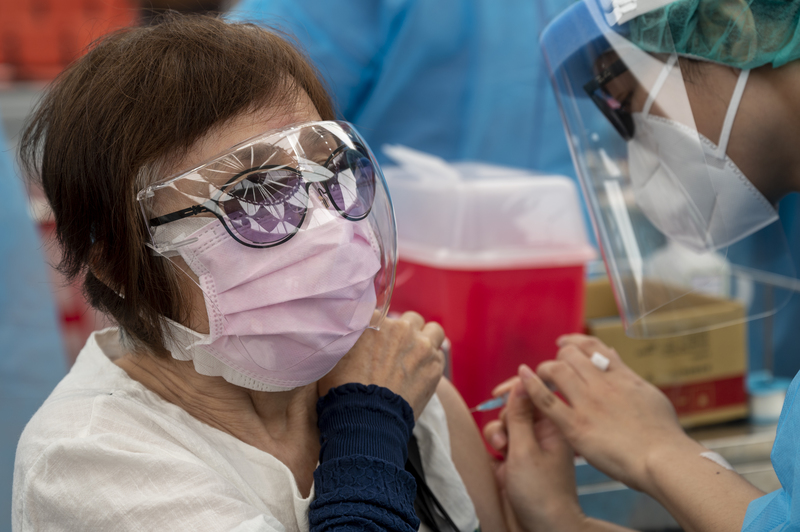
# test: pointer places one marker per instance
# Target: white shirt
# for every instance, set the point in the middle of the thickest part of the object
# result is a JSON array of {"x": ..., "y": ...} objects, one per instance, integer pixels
[{"x": 105, "y": 453}]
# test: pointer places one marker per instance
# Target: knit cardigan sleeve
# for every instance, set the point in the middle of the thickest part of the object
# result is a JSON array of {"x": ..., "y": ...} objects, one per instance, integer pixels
[{"x": 361, "y": 483}]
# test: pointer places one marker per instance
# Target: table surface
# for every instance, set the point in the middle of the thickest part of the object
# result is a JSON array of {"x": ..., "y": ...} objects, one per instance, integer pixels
[{"x": 745, "y": 445}]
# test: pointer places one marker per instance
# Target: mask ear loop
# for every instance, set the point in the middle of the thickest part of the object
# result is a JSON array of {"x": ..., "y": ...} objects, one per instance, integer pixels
[
  {"x": 730, "y": 115},
  {"x": 659, "y": 84}
]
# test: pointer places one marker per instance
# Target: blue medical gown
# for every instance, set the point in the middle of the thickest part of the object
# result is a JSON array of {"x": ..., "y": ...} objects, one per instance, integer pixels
[
  {"x": 779, "y": 511},
  {"x": 462, "y": 79},
  {"x": 32, "y": 356}
]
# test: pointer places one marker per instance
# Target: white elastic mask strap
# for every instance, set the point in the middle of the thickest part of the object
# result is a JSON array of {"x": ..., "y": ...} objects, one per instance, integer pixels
[
  {"x": 171, "y": 236},
  {"x": 625, "y": 10},
  {"x": 730, "y": 116},
  {"x": 659, "y": 84}
]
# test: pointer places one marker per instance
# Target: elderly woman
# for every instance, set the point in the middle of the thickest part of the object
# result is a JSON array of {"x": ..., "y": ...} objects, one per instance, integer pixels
[{"x": 244, "y": 243}]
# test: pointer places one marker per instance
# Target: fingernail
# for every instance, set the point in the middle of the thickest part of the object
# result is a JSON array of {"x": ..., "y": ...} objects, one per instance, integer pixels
[
  {"x": 498, "y": 441},
  {"x": 520, "y": 391},
  {"x": 525, "y": 372},
  {"x": 561, "y": 340}
]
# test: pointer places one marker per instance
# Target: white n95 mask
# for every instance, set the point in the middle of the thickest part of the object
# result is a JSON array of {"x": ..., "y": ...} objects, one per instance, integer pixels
[
  {"x": 681, "y": 228},
  {"x": 695, "y": 195}
]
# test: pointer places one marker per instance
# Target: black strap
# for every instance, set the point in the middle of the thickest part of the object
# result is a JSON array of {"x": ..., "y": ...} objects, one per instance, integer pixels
[{"x": 429, "y": 510}]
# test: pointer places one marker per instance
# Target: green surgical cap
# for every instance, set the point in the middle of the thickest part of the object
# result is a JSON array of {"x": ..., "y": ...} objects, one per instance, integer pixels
[{"x": 740, "y": 33}]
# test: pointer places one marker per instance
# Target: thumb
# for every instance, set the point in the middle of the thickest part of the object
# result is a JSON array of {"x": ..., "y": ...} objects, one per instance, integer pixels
[{"x": 519, "y": 418}]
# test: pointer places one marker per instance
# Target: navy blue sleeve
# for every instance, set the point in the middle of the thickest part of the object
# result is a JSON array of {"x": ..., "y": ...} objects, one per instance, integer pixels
[{"x": 361, "y": 483}]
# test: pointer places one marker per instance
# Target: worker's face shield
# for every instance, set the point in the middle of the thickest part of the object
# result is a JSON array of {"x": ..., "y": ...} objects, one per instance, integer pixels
[{"x": 676, "y": 220}]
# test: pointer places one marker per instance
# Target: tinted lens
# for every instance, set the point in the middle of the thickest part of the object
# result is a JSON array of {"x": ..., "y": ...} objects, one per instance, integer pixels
[
  {"x": 352, "y": 187},
  {"x": 611, "y": 107},
  {"x": 267, "y": 206},
  {"x": 619, "y": 118}
]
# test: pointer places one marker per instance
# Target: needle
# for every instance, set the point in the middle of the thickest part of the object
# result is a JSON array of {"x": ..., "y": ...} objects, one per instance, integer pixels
[
  {"x": 599, "y": 361},
  {"x": 492, "y": 404}
]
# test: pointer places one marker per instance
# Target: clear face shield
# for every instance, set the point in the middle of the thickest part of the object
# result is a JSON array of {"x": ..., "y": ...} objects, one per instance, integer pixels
[
  {"x": 676, "y": 219},
  {"x": 290, "y": 237}
]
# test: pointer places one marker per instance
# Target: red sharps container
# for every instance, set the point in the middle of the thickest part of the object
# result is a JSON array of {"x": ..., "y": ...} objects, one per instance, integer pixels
[{"x": 497, "y": 257}]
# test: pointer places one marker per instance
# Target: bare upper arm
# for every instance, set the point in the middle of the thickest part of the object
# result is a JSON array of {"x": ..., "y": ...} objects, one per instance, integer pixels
[{"x": 471, "y": 458}]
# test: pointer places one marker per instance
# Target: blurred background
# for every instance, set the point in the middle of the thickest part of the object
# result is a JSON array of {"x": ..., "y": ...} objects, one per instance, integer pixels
[{"x": 44, "y": 321}]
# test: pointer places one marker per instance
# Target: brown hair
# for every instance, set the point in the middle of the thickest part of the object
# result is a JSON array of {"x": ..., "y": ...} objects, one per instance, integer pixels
[{"x": 142, "y": 96}]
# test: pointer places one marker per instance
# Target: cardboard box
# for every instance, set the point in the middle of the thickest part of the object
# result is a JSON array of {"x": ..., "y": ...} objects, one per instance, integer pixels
[{"x": 702, "y": 373}]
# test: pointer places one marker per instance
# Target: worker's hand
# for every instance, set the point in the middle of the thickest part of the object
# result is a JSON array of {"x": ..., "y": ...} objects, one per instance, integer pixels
[
  {"x": 537, "y": 475},
  {"x": 404, "y": 356},
  {"x": 614, "y": 418}
]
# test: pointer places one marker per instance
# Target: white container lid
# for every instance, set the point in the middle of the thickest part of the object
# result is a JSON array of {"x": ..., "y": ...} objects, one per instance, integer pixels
[{"x": 474, "y": 216}]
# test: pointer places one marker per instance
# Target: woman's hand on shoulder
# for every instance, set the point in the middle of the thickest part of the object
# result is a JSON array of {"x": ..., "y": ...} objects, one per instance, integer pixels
[{"x": 404, "y": 356}]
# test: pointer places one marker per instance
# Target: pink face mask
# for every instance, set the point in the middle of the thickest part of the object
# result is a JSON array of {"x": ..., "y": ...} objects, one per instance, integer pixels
[
  {"x": 281, "y": 317},
  {"x": 292, "y": 238}
]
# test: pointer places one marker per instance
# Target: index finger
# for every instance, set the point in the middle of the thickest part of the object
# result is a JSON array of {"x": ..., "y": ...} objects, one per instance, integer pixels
[
  {"x": 585, "y": 366},
  {"x": 413, "y": 319},
  {"x": 546, "y": 401},
  {"x": 505, "y": 386},
  {"x": 588, "y": 344}
]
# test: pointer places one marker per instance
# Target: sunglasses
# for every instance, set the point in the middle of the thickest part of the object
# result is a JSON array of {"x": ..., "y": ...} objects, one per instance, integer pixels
[
  {"x": 615, "y": 111},
  {"x": 265, "y": 206}
]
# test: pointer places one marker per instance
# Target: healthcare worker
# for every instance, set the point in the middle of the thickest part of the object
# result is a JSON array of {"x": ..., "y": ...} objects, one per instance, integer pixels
[
  {"x": 683, "y": 122},
  {"x": 455, "y": 78},
  {"x": 32, "y": 359}
]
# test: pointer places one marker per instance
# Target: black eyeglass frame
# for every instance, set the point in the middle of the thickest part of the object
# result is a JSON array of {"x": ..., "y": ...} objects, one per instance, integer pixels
[
  {"x": 195, "y": 210},
  {"x": 621, "y": 120}
]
